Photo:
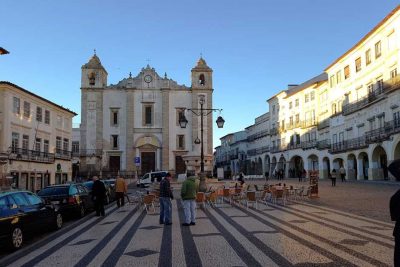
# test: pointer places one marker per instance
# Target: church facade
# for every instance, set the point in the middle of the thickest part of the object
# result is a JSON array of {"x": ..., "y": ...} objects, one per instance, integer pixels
[{"x": 133, "y": 126}]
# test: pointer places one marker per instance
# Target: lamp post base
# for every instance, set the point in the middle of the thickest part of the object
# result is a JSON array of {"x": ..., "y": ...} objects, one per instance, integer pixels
[{"x": 202, "y": 184}]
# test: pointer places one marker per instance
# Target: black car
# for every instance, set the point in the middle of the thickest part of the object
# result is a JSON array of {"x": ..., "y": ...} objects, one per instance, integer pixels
[
  {"x": 109, "y": 192},
  {"x": 23, "y": 213},
  {"x": 72, "y": 199}
]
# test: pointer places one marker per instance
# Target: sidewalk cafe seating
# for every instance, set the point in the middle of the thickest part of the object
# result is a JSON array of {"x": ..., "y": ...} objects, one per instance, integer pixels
[
  {"x": 278, "y": 193},
  {"x": 251, "y": 199},
  {"x": 264, "y": 197},
  {"x": 211, "y": 198},
  {"x": 201, "y": 199},
  {"x": 227, "y": 195},
  {"x": 148, "y": 202}
]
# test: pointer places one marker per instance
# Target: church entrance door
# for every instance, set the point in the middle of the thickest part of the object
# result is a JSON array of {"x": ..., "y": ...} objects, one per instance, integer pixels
[
  {"x": 148, "y": 162},
  {"x": 114, "y": 163}
]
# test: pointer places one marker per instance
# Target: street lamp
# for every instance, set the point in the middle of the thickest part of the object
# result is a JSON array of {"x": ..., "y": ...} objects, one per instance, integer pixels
[{"x": 202, "y": 112}]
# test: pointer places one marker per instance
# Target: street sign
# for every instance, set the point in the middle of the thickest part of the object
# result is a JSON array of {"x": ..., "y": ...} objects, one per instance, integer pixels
[{"x": 137, "y": 161}]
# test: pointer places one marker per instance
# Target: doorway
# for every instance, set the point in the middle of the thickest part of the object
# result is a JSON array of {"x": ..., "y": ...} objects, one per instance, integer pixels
[
  {"x": 114, "y": 163},
  {"x": 148, "y": 162},
  {"x": 180, "y": 165}
]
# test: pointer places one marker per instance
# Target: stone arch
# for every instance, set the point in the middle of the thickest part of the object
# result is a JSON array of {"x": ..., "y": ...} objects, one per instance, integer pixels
[
  {"x": 296, "y": 166},
  {"x": 259, "y": 166},
  {"x": 337, "y": 163},
  {"x": 312, "y": 163},
  {"x": 379, "y": 168},
  {"x": 351, "y": 171},
  {"x": 273, "y": 166},
  {"x": 267, "y": 164},
  {"x": 396, "y": 151},
  {"x": 363, "y": 166},
  {"x": 326, "y": 167}
]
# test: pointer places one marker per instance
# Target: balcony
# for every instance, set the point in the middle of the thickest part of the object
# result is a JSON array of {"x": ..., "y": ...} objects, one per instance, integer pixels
[
  {"x": 309, "y": 144},
  {"x": 362, "y": 102},
  {"x": 323, "y": 124},
  {"x": 258, "y": 151},
  {"x": 294, "y": 146},
  {"x": 352, "y": 144},
  {"x": 62, "y": 154},
  {"x": 258, "y": 135},
  {"x": 275, "y": 149},
  {"x": 383, "y": 133},
  {"x": 324, "y": 144},
  {"x": 309, "y": 123},
  {"x": 291, "y": 126},
  {"x": 392, "y": 84},
  {"x": 20, "y": 154}
]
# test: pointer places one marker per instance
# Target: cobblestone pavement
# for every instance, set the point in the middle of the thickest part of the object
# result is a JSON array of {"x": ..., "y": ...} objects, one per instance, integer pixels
[
  {"x": 364, "y": 198},
  {"x": 298, "y": 234}
]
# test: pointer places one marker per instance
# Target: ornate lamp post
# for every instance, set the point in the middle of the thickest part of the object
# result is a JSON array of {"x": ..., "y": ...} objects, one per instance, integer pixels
[{"x": 202, "y": 112}]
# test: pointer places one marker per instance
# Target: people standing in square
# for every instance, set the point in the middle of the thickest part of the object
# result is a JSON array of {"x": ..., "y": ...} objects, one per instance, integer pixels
[
  {"x": 165, "y": 200},
  {"x": 188, "y": 194},
  {"x": 120, "y": 191}
]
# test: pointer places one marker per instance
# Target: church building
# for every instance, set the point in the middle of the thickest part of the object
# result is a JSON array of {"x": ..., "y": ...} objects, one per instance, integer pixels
[{"x": 133, "y": 126}]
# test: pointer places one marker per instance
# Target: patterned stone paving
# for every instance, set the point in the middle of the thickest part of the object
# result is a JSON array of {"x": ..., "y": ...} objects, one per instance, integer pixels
[{"x": 298, "y": 234}]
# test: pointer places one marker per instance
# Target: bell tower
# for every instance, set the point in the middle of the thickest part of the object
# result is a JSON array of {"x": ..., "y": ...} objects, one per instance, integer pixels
[
  {"x": 94, "y": 75},
  {"x": 202, "y": 75}
]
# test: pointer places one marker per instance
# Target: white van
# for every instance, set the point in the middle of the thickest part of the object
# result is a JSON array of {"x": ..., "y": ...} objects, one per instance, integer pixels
[{"x": 151, "y": 177}]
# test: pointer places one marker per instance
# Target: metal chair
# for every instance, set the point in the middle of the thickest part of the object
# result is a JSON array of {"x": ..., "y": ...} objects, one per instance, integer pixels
[{"x": 148, "y": 202}]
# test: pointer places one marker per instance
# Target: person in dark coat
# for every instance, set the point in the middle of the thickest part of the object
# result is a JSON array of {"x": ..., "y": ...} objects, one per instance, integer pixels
[
  {"x": 394, "y": 169},
  {"x": 98, "y": 196},
  {"x": 165, "y": 200}
]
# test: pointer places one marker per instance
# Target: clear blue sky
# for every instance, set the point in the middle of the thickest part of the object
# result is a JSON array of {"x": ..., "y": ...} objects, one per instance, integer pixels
[{"x": 255, "y": 47}]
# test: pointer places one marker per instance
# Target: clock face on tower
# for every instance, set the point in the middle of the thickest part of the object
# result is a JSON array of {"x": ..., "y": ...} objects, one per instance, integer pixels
[{"x": 148, "y": 78}]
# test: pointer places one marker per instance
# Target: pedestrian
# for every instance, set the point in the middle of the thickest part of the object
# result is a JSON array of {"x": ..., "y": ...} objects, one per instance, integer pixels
[
  {"x": 394, "y": 169},
  {"x": 240, "y": 179},
  {"x": 165, "y": 200},
  {"x": 333, "y": 177},
  {"x": 120, "y": 191},
  {"x": 266, "y": 175},
  {"x": 299, "y": 175},
  {"x": 188, "y": 194},
  {"x": 98, "y": 196},
  {"x": 342, "y": 172}
]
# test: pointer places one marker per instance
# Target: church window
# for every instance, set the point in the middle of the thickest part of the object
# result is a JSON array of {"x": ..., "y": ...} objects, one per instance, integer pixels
[
  {"x": 180, "y": 142},
  {"x": 179, "y": 115},
  {"x": 114, "y": 117},
  {"x": 202, "y": 80},
  {"x": 114, "y": 141},
  {"x": 147, "y": 115},
  {"x": 92, "y": 78}
]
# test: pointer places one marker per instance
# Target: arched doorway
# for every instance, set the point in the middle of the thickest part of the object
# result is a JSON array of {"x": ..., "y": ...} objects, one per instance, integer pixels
[
  {"x": 313, "y": 163},
  {"x": 363, "y": 166},
  {"x": 259, "y": 167},
  {"x": 379, "y": 163},
  {"x": 337, "y": 163},
  {"x": 267, "y": 164},
  {"x": 397, "y": 151},
  {"x": 296, "y": 166},
  {"x": 326, "y": 167},
  {"x": 282, "y": 165},
  {"x": 253, "y": 168},
  {"x": 351, "y": 172},
  {"x": 273, "y": 167}
]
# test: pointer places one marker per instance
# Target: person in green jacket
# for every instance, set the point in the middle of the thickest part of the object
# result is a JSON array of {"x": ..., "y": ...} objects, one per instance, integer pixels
[{"x": 188, "y": 194}]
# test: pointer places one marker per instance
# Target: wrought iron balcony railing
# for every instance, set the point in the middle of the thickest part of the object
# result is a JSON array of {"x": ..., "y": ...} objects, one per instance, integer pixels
[
  {"x": 383, "y": 133},
  {"x": 309, "y": 144},
  {"x": 294, "y": 146},
  {"x": 352, "y": 144},
  {"x": 20, "y": 154},
  {"x": 309, "y": 123},
  {"x": 62, "y": 154},
  {"x": 324, "y": 144},
  {"x": 259, "y": 135}
]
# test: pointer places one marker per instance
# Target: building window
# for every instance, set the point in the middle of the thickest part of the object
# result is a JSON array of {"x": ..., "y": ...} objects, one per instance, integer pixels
[
  {"x": 338, "y": 76},
  {"x": 332, "y": 81},
  {"x": 312, "y": 96},
  {"x": 114, "y": 117},
  {"x": 27, "y": 109},
  {"x": 368, "y": 57},
  {"x": 46, "y": 146},
  {"x": 306, "y": 98},
  {"x": 181, "y": 142},
  {"x": 297, "y": 118},
  {"x": 65, "y": 144},
  {"x": 291, "y": 121},
  {"x": 379, "y": 84},
  {"x": 47, "y": 116},
  {"x": 92, "y": 78},
  {"x": 393, "y": 73},
  {"x": 114, "y": 141},
  {"x": 358, "y": 64},
  {"x": 147, "y": 115},
  {"x": 25, "y": 144},
  {"x": 396, "y": 118},
  {"x": 58, "y": 144},
  {"x": 16, "y": 106},
  {"x": 290, "y": 105},
  {"x": 38, "y": 144},
  {"x": 296, "y": 102},
  {"x": 370, "y": 88},
  {"x": 14, "y": 142},
  {"x": 179, "y": 115},
  {"x": 75, "y": 146},
  {"x": 347, "y": 72},
  {"x": 334, "y": 108},
  {"x": 39, "y": 114},
  {"x": 378, "y": 51}
]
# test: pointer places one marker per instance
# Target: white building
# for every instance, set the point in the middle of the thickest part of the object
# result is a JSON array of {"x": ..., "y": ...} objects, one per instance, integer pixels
[
  {"x": 348, "y": 116},
  {"x": 133, "y": 125},
  {"x": 35, "y": 134}
]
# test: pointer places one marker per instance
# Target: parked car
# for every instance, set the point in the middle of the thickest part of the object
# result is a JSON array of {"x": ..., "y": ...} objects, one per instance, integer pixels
[
  {"x": 150, "y": 178},
  {"x": 109, "y": 192},
  {"x": 23, "y": 213},
  {"x": 73, "y": 199}
]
